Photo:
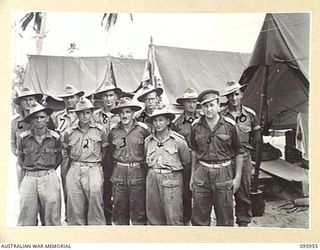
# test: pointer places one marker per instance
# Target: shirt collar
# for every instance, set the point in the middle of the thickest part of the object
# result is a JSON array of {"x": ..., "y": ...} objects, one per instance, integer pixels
[
  {"x": 170, "y": 134},
  {"x": 47, "y": 133}
]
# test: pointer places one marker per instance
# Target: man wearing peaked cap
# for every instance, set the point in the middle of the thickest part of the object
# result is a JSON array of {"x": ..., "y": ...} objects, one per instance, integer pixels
[
  {"x": 167, "y": 154},
  {"x": 39, "y": 154},
  {"x": 64, "y": 119},
  {"x": 182, "y": 125},
  {"x": 109, "y": 95},
  {"x": 214, "y": 141},
  {"x": 126, "y": 142},
  {"x": 249, "y": 131},
  {"x": 150, "y": 97},
  {"x": 86, "y": 142},
  {"x": 25, "y": 98}
]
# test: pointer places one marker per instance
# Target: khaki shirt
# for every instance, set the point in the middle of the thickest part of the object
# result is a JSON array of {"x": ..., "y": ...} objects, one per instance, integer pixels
[
  {"x": 18, "y": 126},
  {"x": 35, "y": 156},
  {"x": 172, "y": 153},
  {"x": 106, "y": 119},
  {"x": 85, "y": 146},
  {"x": 246, "y": 123},
  {"x": 128, "y": 146},
  {"x": 183, "y": 126},
  {"x": 218, "y": 145},
  {"x": 63, "y": 120}
]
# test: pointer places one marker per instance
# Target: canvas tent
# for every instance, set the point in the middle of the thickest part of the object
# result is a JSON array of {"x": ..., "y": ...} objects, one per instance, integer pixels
[
  {"x": 282, "y": 52},
  {"x": 182, "y": 68},
  {"x": 50, "y": 74}
]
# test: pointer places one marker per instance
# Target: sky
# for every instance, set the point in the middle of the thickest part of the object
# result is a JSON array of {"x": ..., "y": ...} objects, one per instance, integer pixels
[{"x": 208, "y": 31}]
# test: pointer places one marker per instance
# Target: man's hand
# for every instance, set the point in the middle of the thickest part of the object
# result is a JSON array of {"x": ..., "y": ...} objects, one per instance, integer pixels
[
  {"x": 191, "y": 183},
  {"x": 236, "y": 184}
]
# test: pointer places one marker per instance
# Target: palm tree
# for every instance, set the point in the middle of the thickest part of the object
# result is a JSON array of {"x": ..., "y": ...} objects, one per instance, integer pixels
[{"x": 111, "y": 20}]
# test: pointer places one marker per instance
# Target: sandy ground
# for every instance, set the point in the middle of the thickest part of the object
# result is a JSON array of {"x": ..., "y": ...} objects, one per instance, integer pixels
[{"x": 278, "y": 195}]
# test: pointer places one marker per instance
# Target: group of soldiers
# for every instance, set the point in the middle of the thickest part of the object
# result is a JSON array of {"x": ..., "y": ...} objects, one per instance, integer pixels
[{"x": 123, "y": 164}]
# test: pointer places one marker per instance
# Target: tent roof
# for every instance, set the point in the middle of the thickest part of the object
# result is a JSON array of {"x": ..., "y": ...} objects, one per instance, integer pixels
[
  {"x": 201, "y": 69},
  {"x": 283, "y": 44},
  {"x": 49, "y": 74}
]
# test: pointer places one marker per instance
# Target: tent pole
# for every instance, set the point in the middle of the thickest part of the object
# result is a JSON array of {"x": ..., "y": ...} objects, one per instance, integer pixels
[{"x": 262, "y": 109}]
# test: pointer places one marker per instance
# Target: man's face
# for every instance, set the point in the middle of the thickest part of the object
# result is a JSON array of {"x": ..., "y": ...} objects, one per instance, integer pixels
[
  {"x": 210, "y": 109},
  {"x": 71, "y": 101},
  {"x": 126, "y": 115},
  {"x": 85, "y": 116},
  {"x": 190, "y": 105},
  {"x": 151, "y": 100},
  {"x": 160, "y": 123},
  {"x": 109, "y": 98},
  {"x": 234, "y": 99},
  {"x": 39, "y": 120},
  {"x": 27, "y": 102}
]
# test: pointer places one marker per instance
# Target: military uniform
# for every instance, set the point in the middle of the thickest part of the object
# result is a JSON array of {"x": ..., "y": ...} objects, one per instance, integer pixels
[
  {"x": 107, "y": 119},
  {"x": 18, "y": 126},
  {"x": 182, "y": 125},
  {"x": 40, "y": 187},
  {"x": 63, "y": 120},
  {"x": 85, "y": 178},
  {"x": 246, "y": 123},
  {"x": 166, "y": 160},
  {"x": 213, "y": 175},
  {"x": 129, "y": 174}
]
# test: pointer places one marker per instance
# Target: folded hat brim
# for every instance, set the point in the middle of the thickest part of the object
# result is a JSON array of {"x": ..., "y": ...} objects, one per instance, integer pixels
[
  {"x": 96, "y": 94},
  {"x": 116, "y": 110},
  {"x": 159, "y": 92},
  {"x": 79, "y": 93},
  {"x": 181, "y": 99},
  {"x": 29, "y": 117},
  {"x": 37, "y": 96},
  {"x": 170, "y": 115},
  {"x": 233, "y": 90}
]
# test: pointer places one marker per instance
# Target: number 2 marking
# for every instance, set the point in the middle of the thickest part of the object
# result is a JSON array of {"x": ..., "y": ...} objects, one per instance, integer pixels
[{"x": 86, "y": 145}]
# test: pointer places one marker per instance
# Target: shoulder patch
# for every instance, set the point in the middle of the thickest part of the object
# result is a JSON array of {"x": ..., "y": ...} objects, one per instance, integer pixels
[
  {"x": 227, "y": 119},
  {"x": 196, "y": 121},
  {"x": 176, "y": 134},
  {"x": 249, "y": 110},
  {"x": 25, "y": 133},
  {"x": 54, "y": 134},
  {"x": 143, "y": 125}
]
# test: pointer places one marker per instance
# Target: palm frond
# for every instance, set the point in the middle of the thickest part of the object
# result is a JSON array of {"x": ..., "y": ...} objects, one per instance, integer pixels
[
  {"x": 37, "y": 22},
  {"x": 26, "y": 20}
]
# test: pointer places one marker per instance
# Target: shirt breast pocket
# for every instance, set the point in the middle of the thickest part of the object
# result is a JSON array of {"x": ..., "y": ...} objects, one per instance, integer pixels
[
  {"x": 93, "y": 143},
  {"x": 29, "y": 156},
  {"x": 244, "y": 128},
  {"x": 170, "y": 155},
  {"x": 224, "y": 138},
  {"x": 50, "y": 156}
]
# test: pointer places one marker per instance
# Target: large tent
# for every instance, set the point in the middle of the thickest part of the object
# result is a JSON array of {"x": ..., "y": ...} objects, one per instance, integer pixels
[
  {"x": 182, "y": 68},
  {"x": 50, "y": 74},
  {"x": 280, "y": 61}
]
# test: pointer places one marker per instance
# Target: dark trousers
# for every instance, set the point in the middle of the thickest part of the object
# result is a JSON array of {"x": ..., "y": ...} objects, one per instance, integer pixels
[
  {"x": 242, "y": 196},
  {"x": 187, "y": 195},
  {"x": 129, "y": 204},
  {"x": 107, "y": 167},
  {"x": 212, "y": 187}
]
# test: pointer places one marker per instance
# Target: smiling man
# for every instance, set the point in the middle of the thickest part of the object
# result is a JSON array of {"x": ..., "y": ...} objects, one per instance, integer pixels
[
  {"x": 167, "y": 153},
  {"x": 249, "y": 131},
  {"x": 214, "y": 141},
  {"x": 109, "y": 95},
  {"x": 39, "y": 154},
  {"x": 85, "y": 142},
  {"x": 182, "y": 125},
  {"x": 126, "y": 140}
]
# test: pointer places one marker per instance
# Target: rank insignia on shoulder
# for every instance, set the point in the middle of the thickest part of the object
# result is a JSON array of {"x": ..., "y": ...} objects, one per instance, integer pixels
[{"x": 228, "y": 119}]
